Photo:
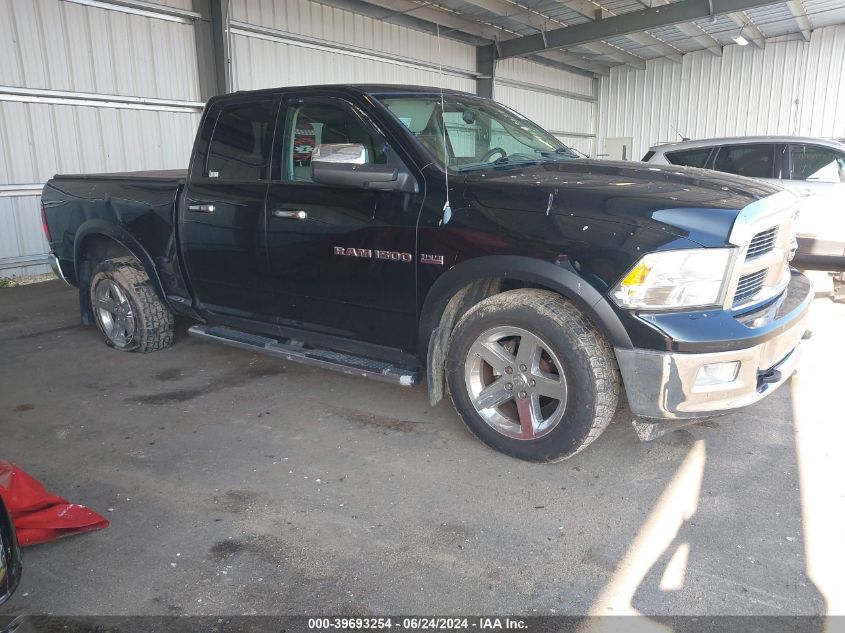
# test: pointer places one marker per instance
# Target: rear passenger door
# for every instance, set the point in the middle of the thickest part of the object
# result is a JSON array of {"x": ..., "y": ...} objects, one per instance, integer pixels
[
  {"x": 752, "y": 160},
  {"x": 817, "y": 174},
  {"x": 222, "y": 228}
]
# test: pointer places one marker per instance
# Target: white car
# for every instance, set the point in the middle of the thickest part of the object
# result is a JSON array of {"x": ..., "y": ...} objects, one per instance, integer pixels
[{"x": 814, "y": 168}]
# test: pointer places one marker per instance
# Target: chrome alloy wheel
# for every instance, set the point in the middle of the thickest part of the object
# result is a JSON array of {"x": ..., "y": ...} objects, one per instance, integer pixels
[
  {"x": 516, "y": 383},
  {"x": 114, "y": 312}
]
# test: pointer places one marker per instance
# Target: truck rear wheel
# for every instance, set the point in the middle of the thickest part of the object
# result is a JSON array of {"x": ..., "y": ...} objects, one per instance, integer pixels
[
  {"x": 128, "y": 312},
  {"x": 531, "y": 376}
]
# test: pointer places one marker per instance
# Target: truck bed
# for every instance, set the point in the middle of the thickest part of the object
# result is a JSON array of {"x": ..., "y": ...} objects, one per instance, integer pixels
[
  {"x": 166, "y": 175},
  {"x": 135, "y": 209}
]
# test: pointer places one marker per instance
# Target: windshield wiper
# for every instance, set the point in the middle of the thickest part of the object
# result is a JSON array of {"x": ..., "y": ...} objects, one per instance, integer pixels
[{"x": 562, "y": 151}]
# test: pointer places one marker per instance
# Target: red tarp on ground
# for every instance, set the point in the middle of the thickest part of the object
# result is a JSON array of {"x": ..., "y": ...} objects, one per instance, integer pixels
[{"x": 38, "y": 515}]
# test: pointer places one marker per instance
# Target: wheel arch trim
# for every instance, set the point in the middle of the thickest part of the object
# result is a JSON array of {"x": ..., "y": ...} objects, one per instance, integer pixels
[
  {"x": 562, "y": 279},
  {"x": 119, "y": 235}
]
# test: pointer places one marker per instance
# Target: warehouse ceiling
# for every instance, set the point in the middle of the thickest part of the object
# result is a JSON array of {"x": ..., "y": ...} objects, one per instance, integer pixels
[{"x": 607, "y": 32}]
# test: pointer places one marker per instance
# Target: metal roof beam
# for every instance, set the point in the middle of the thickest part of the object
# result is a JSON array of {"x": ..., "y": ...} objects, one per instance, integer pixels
[
  {"x": 665, "y": 50},
  {"x": 796, "y": 8},
  {"x": 755, "y": 35},
  {"x": 702, "y": 37},
  {"x": 602, "y": 48},
  {"x": 458, "y": 24},
  {"x": 675, "y": 13},
  {"x": 451, "y": 20},
  {"x": 691, "y": 30},
  {"x": 597, "y": 12},
  {"x": 438, "y": 16},
  {"x": 543, "y": 23},
  {"x": 571, "y": 59}
]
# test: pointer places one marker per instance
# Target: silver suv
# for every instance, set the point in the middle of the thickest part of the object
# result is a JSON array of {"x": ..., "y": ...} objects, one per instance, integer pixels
[{"x": 813, "y": 168}]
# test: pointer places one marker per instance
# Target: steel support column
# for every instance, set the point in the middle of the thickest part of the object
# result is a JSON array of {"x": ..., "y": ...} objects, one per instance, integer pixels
[
  {"x": 485, "y": 65},
  {"x": 213, "y": 47}
]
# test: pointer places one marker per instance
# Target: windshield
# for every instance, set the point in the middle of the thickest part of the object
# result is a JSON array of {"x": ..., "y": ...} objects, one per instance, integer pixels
[{"x": 478, "y": 132}]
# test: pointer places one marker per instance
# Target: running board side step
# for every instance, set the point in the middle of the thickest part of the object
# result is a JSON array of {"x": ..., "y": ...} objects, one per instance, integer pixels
[{"x": 327, "y": 359}]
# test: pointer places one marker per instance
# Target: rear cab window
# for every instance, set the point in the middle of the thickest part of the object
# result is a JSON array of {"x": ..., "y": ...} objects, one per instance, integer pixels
[
  {"x": 690, "y": 157},
  {"x": 753, "y": 160}
]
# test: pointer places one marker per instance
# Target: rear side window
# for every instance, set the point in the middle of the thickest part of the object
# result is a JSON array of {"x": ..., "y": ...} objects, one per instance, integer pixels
[
  {"x": 647, "y": 156},
  {"x": 242, "y": 141},
  {"x": 689, "y": 157},
  {"x": 817, "y": 164},
  {"x": 752, "y": 160}
]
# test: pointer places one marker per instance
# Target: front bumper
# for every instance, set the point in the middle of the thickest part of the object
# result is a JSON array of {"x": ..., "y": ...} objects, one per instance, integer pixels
[{"x": 665, "y": 384}]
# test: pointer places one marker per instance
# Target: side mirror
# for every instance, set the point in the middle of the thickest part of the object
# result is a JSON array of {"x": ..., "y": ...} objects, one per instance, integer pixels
[
  {"x": 345, "y": 165},
  {"x": 10, "y": 555}
]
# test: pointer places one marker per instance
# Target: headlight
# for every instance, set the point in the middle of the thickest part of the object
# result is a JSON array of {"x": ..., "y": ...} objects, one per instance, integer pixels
[{"x": 675, "y": 279}]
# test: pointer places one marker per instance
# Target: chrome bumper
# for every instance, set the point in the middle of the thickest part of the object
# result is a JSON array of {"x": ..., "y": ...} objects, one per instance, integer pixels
[
  {"x": 663, "y": 384},
  {"x": 57, "y": 268}
]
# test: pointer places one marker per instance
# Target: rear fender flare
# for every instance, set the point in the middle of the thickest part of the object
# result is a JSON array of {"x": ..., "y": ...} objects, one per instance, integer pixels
[{"x": 122, "y": 237}]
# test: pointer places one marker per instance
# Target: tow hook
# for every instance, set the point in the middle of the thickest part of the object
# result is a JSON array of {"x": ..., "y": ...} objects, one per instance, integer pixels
[{"x": 769, "y": 377}]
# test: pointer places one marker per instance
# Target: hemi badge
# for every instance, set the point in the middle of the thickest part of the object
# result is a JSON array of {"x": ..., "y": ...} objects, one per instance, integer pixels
[{"x": 425, "y": 258}]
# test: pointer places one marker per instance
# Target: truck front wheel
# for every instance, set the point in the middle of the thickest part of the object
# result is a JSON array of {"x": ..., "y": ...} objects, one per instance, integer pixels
[
  {"x": 531, "y": 376},
  {"x": 127, "y": 310}
]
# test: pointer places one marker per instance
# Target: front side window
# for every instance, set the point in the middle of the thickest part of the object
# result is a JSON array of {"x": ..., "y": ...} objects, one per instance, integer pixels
[
  {"x": 818, "y": 164},
  {"x": 467, "y": 133},
  {"x": 751, "y": 160},
  {"x": 242, "y": 142},
  {"x": 313, "y": 124},
  {"x": 690, "y": 157}
]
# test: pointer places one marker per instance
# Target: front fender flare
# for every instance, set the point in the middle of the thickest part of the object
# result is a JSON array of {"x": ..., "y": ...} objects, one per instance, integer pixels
[{"x": 560, "y": 278}]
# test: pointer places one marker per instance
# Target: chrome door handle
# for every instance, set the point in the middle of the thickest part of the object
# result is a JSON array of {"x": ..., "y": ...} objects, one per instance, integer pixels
[
  {"x": 293, "y": 214},
  {"x": 201, "y": 208}
]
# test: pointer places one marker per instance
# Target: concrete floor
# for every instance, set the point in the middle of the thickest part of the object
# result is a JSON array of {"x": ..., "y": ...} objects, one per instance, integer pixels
[{"x": 238, "y": 484}]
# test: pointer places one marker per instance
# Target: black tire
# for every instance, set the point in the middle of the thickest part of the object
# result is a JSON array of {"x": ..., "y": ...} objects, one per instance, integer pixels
[
  {"x": 589, "y": 371},
  {"x": 152, "y": 322}
]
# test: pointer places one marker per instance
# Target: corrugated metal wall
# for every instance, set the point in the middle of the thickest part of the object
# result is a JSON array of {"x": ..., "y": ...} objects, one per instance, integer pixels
[
  {"x": 299, "y": 42},
  {"x": 93, "y": 87},
  {"x": 791, "y": 87},
  {"x": 71, "y": 84},
  {"x": 540, "y": 93}
]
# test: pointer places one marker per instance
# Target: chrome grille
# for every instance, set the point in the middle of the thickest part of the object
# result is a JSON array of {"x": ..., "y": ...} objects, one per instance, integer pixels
[
  {"x": 762, "y": 243},
  {"x": 763, "y": 231},
  {"x": 749, "y": 285}
]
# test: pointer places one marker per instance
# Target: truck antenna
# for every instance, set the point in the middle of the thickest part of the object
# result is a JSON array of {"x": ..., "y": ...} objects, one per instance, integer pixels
[{"x": 447, "y": 208}]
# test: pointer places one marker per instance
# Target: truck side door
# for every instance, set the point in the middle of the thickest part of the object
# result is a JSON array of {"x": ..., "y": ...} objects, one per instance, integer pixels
[
  {"x": 221, "y": 225},
  {"x": 342, "y": 259}
]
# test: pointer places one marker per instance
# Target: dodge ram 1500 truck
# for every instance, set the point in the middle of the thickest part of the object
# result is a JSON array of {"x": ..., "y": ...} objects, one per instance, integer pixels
[{"x": 388, "y": 231}]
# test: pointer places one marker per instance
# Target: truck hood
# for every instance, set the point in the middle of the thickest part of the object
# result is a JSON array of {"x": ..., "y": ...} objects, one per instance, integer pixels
[{"x": 696, "y": 204}]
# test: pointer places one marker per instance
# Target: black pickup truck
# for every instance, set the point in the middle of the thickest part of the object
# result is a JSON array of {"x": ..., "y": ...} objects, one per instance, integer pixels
[{"x": 388, "y": 231}]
